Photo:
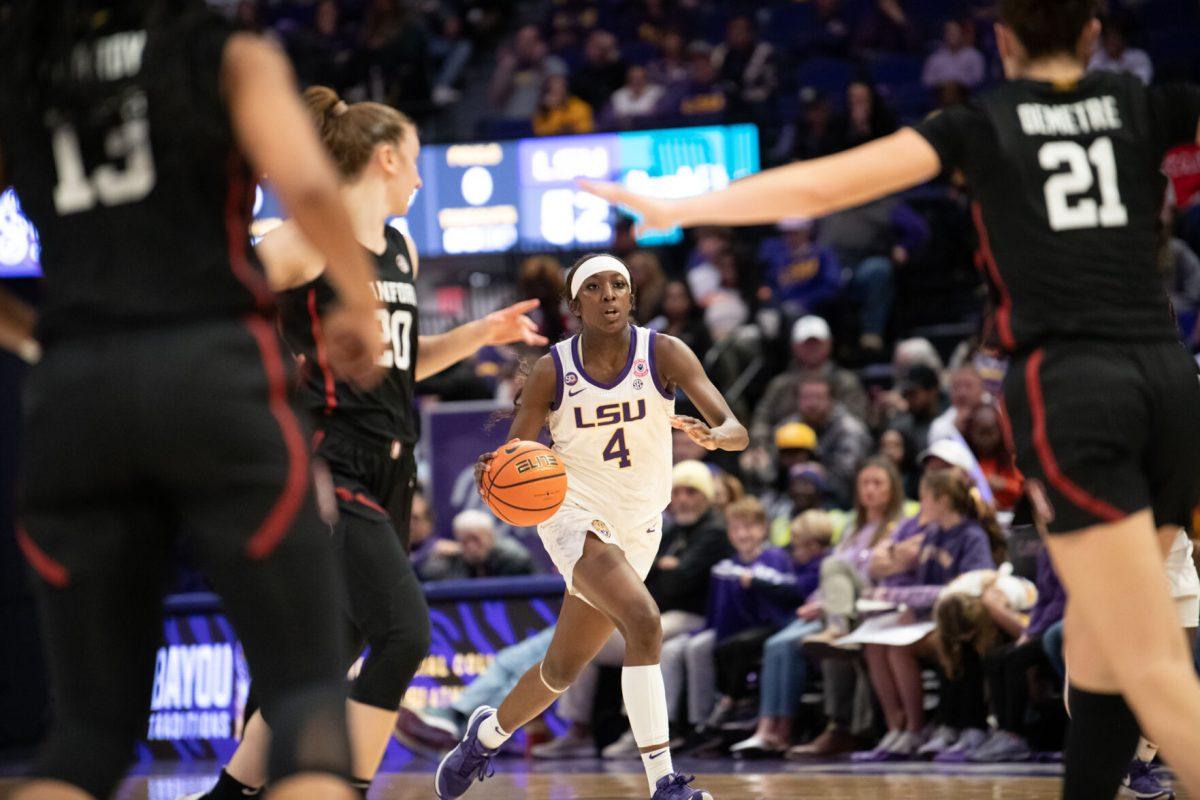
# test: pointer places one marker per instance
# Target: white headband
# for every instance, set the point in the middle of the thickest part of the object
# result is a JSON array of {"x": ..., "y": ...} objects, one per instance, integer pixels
[{"x": 592, "y": 266}]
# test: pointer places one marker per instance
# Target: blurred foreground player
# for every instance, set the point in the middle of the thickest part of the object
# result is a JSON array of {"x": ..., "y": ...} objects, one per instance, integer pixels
[
  {"x": 1065, "y": 167},
  {"x": 608, "y": 397},
  {"x": 366, "y": 437},
  {"x": 159, "y": 409}
]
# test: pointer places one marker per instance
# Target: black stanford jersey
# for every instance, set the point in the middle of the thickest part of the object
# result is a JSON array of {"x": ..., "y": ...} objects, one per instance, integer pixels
[
  {"x": 1068, "y": 187},
  {"x": 120, "y": 149},
  {"x": 386, "y": 412}
]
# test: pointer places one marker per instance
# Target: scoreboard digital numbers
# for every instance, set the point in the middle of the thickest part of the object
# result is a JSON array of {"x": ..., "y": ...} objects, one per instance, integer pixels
[{"x": 492, "y": 197}]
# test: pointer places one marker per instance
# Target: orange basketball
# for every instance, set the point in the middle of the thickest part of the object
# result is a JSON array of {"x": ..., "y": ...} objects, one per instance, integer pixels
[{"x": 525, "y": 484}]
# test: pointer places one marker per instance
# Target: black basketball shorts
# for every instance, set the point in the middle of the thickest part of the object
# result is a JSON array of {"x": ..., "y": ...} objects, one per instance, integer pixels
[{"x": 1106, "y": 429}]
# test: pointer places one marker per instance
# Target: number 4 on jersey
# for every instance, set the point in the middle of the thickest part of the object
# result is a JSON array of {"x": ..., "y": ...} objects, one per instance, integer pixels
[{"x": 617, "y": 450}]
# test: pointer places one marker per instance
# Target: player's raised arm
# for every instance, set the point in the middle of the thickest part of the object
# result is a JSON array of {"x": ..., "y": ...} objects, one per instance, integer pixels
[
  {"x": 804, "y": 189},
  {"x": 533, "y": 407},
  {"x": 678, "y": 366},
  {"x": 442, "y": 350},
  {"x": 277, "y": 136}
]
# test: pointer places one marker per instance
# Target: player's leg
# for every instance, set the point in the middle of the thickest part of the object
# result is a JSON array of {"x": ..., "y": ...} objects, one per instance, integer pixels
[
  {"x": 388, "y": 607},
  {"x": 100, "y": 576},
  {"x": 243, "y": 497},
  {"x": 1122, "y": 638}
]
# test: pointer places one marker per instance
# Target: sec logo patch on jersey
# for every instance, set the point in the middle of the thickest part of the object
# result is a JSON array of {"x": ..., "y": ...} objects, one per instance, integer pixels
[{"x": 402, "y": 263}]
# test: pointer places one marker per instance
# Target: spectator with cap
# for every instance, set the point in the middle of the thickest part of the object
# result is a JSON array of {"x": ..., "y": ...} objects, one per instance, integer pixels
[
  {"x": 921, "y": 392},
  {"x": 1115, "y": 55},
  {"x": 476, "y": 552},
  {"x": 795, "y": 443},
  {"x": 955, "y": 61},
  {"x": 842, "y": 439},
  {"x": 521, "y": 70},
  {"x": 802, "y": 277},
  {"x": 806, "y": 488},
  {"x": 947, "y": 453},
  {"x": 812, "y": 351}
]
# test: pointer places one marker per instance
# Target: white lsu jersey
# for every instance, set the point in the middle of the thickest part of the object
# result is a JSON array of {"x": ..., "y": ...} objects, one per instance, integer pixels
[{"x": 614, "y": 439}]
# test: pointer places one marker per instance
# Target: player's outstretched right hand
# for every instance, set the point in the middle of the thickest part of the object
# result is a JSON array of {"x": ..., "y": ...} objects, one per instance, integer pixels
[{"x": 355, "y": 345}]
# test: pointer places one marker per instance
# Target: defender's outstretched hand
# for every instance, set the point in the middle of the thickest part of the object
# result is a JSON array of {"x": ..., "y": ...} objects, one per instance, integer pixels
[
  {"x": 653, "y": 214},
  {"x": 511, "y": 325}
]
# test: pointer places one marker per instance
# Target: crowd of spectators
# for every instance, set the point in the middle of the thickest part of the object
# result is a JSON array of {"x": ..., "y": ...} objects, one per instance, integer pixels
[{"x": 873, "y": 538}]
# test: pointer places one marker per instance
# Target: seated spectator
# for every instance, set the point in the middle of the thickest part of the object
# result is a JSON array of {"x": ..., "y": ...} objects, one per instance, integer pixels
[
  {"x": 1115, "y": 55},
  {"x": 873, "y": 241},
  {"x": 977, "y": 613},
  {"x": 896, "y": 447},
  {"x": 866, "y": 117},
  {"x": 956, "y": 542},
  {"x": 703, "y": 272},
  {"x": 521, "y": 70},
  {"x": 986, "y": 440},
  {"x": 682, "y": 318},
  {"x": 602, "y": 71},
  {"x": 1007, "y": 666},
  {"x": 802, "y": 277},
  {"x": 476, "y": 552},
  {"x": 693, "y": 541},
  {"x": 559, "y": 112},
  {"x": 638, "y": 98},
  {"x": 955, "y": 453},
  {"x": 739, "y": 619},
  {"x": 829, "y": 35},
  {"x": 955, "y": 61},
  {"x": 844, "y": 574},
  {"x": 745, "y": 65},
  {"x": 420, "y": 525},
  {"x": 806, "y": 488},
  {"x": 700, "y": 98},
  {"x": 921, "y": 391},
  {"x": 886, "y": 28},
  {"x": 842, "y": 440},
  {"x": 649, "y": 284},
  {"x": 812, "y": 355},
  {"x": 670, "y": 68},
  {"x": 795, "y": 443},
  {"x": 784, "y": 669}
]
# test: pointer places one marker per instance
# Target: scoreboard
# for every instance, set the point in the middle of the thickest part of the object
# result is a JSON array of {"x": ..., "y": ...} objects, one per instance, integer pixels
[{"x": 492, "y": 197}]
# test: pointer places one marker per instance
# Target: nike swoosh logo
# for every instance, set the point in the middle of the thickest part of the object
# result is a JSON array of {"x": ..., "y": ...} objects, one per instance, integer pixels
[
  {"x": 577, "y": 391},
  {"x": 659, "y": 753}
]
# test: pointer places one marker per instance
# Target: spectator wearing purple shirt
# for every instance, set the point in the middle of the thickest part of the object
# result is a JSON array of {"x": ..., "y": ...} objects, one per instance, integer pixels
[
  {"x": 955, "y": 61},
  {"x": 784, "y": 668},
  {"x": 956, "y": 542},
  {"x": 803, "y": 278},
  {"x": 739, "y": 619}
]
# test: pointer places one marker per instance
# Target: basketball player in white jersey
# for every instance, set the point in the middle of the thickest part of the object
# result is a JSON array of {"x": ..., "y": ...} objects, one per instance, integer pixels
[{"x": 607, "y": 395}]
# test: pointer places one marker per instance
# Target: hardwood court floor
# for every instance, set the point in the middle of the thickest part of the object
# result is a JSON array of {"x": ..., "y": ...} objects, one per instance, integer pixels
[{"x": 583, "y": 786}]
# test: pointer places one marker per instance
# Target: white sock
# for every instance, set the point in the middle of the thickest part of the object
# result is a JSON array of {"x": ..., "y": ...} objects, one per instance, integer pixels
[
  {"x": 491, "y": 735},
  {"x": 646, "y": 705},
  {"x": 1146, "y": 750}
]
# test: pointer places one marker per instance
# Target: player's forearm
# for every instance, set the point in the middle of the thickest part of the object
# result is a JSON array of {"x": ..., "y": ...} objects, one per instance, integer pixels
[
  {"x": 818, "y": 187},
  {"x": 731, "y": 435},
  {"x": 443, "y": 350}
]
